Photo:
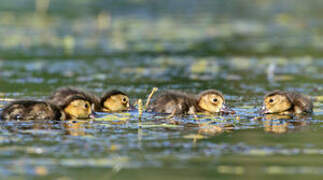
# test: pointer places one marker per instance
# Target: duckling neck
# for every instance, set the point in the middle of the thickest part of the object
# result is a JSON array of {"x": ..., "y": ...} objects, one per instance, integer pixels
[
  {"x": 200, "y": 107},
  {"x": 200, "y": 110},
  {"x": 287, "y": 112},
  {"x": 62, "y": 115},
  {"x": 69, "y": 117},
  {"x": 105, "y": 109}
]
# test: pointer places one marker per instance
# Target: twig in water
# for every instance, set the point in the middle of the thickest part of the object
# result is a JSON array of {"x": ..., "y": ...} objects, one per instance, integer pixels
[
  {"x": 271, "y": 72},
  {"x": 171, "y": 115},
  {"x": 149, "y": 97},
  {"x": 195, "y": 117},
  {"x": 140, "y": 109},
  {"x": 42, "y": 6},
  {"x": 7, "y": 99}
]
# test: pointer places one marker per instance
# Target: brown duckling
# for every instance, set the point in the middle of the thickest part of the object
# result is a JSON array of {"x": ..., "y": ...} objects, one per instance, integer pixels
[
  {"x": 32, "y": 110},
  {"x": 286, "y": 103},
  {"x": 60, "y": 96},
  {"x": 75, "y": 103},
  {"x": 179, "y": 103},
  {"x": 114, "y": 101}
]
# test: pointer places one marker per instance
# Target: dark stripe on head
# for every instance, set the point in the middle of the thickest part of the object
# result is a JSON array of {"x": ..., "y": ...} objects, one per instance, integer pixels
[
  {"x": 63, "y": 96},
  {"x": 73, "y": 98},
  {"x": 275, "y": 92},
  {"x": 211, "y": 91},
  {"x": 280, "y": 92}
]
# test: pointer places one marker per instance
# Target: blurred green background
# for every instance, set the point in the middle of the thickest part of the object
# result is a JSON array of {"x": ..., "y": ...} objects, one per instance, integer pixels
[{"x": 120, "y": 28}]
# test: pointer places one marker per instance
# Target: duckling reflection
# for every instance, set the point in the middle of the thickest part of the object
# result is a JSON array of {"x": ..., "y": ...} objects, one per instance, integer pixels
[
  {"x": 286, "y": 103},
  {"x": 279, "y": 124},
  {"x": 276, "y": 126},
  {"x": 32, "y": 110},
  {"x": 180, "y": 103},
  {"x": 113, "y": 101},
  {"x": 75, "y": 128},
  {"x": 34, "y": 127},
  {"x": 210, "y": 129},
  {"x": 278, "y": 116}
]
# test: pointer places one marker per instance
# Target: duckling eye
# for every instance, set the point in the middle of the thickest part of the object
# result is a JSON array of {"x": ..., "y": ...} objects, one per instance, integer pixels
[
  {"x": 214, "y": 99},
  {"x": 124, "y": 100},
  {"x": 86, "y": 106},
  {"x": 271, "y": 100}
]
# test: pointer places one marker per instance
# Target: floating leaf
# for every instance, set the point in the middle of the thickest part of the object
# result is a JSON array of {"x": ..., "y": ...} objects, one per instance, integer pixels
[
  {"x": 115, "y": 117},
  {"x": 284, "y": 77},
  {"x": 258, "y": 152},
  {"x": 160, "y": 125},
  {"x": 231, "y": 169},
  {"x": 319, "y": 98},
  {"x": 194, "y": 136},
  {"x": 210, "y": 129},
  {"x": 41, "y": 170}
]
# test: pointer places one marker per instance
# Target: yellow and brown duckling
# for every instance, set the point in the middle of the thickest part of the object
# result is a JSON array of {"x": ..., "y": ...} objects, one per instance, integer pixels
[
  {"x": 75, "y": 103},
  {"x": 32, "y": 110},
  {"x": 113, "y": 101},
  {"x": 286, "y": 103},
  {"x": 179, "y": 103}
]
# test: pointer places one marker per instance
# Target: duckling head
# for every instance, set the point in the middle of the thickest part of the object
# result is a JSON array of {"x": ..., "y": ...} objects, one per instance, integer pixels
[
  {"x": 213, "y": 101},
  {"x": 114, "y": 101},
  {"x": 276, "y": 102},
  {"x": 79, "y": 108}
]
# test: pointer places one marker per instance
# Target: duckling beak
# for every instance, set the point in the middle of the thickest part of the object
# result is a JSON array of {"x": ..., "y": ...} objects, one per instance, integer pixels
[
  {"x": 105, "y": 110},
  {"x": 92, "y": 115},
  {"x": 226, "y": 109},
  {"x": 131, "y": 107},
  {"x": 264, "y": 110}
]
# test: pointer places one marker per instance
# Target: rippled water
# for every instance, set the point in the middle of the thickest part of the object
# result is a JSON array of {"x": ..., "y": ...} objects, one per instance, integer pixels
[{"x": 266, "y": 45}]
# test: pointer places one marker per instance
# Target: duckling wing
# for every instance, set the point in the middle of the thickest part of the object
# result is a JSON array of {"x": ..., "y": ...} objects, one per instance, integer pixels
[
  {"x": 301, "y": 103},
  {"x": 173, "y": 103},
  {"x": 30, "y": 110},
  {"x": 13, "y": 111}
]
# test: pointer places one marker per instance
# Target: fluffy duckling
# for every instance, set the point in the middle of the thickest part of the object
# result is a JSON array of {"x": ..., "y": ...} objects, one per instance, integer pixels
[
  {"x": 75, "y": 103},
  {"x": 60, "y": 96},
  {"x": 179, "y": 103},
  {"x": 286, "y": 103},
  {"x": 113, "y": 101},
  {"x": 32, "y": 110}
]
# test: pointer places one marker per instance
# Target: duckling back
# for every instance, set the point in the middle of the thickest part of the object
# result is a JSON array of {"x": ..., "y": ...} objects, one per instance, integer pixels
[
  {"x": 62, "y": 97},
  {"x": 174, "y": 102},
  {"x": 300, "y": 102},
  {"x": 31, "y": 110}
]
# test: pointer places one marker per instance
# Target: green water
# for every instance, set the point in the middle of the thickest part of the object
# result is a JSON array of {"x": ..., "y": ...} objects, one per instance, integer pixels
[{"x": 242, "y": 48}]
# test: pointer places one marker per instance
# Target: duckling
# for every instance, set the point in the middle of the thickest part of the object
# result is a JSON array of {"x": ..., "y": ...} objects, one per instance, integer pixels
[
  {"x": 32, "y": 110},
  {"x": 78, "y": 107},
  {"x": 60, "y": 96},
  {"x": 286, "y": 103},
  {"x": 114, "y": 101},
  {"x": 75, "y": 103},
  {"x": 179, "y": 103}
]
